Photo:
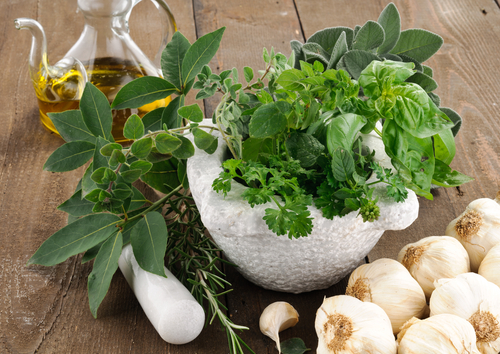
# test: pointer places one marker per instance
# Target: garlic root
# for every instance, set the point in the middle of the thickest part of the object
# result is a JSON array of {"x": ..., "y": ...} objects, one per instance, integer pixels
[{"x": 277, "y": 317}]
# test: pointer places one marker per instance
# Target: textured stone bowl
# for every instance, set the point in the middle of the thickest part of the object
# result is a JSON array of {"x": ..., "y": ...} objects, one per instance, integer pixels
[{"x": 278, "y": 263}]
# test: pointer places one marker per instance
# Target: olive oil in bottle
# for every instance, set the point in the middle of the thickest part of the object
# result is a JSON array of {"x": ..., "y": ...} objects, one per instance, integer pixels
[{"x": 109, "y": 75}]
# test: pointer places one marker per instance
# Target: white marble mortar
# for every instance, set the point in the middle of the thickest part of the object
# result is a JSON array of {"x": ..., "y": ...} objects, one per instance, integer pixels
[{"x": 334, "y": 248}]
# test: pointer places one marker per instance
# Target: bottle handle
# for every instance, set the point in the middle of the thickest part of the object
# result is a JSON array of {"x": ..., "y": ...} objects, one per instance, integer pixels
[{"x": 169, "y": 26}]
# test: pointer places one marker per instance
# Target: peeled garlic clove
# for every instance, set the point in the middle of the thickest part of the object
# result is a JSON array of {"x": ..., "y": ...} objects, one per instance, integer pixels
[
  {"x": 433, "y": 258},
  {"x": 277, "y": 317},
  {"x": 477, "y": 228},
  {"x": 444, "y": 333},
  {"x": 388, "y": 283},
  {"x": 475, "y": 299},
  {"x": 345, "y": 324},
  {"x": 490, "y": 266}
]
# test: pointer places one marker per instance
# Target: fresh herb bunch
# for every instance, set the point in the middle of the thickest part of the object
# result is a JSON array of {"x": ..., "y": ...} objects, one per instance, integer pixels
[{"x": 107, "y": 211}]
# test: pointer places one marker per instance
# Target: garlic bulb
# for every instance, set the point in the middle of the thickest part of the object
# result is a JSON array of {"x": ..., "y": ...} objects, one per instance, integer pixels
[
  {"x": 346, "y": 325},
  {"x": 445, "y": 333},
  {"x": 477, "y": 228},
  {"x": 433, "y": 258},
  {"x": 475, "y": 299},
  {"x": 490, "y": 266},
  {"x": 277, "y": 317},
  {"x": 388, "y": 283}
]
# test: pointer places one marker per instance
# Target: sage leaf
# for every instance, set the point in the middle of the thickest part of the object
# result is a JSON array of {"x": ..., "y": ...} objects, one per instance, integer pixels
[
  {"x": 444, "y": 176},
  {"x": 418, "y": 44},
  {"x": 293, "y": 346},
  {"x": 435, "y": 98},
  {"x": 267, "y": 121},
  {"x": 357, "y": 60},
  {"x": 172, "y": 57},
  {"x": 444, "y": 146},
  {"x": 305, "y": 148},
  {"x": 133, "y": 128},
  {"x": 170, "y": 117},
  {"x": 327, "y": 38},
  {"x": 390, "y": 21},
  {"x": 70, "y": 126},
  {"x": 162, "y": 176},
  {"x": 69, "y": 156},
  {"x": 407, "y": 59},
  {"x": 248, "y": 72},
  {"x": 370, "y": 36},
  {"x": 142, "y": 91},
  {"x": 454, "y": 117},
  {"x": 96, "y": 112},
  {"x": 105, "y": 265},
  {"x": 342, "y": 165},
  {"x": 185, "y": 150},
  {"x": 149, "y": 243},
  {"x": 343, "y": 130},
  {"x": 75, "y": 238},
  {"x": 427, "y": 70},
  {"x": 142, "y": 147},
  {"x": 192, "y": 113},
  {"x": 199, "y": 54},
  {"x": 313, "y": 51},
  {"x": 297, "y": 53},
  {"x": 202, "y": 139},
  {"x": 152, "y": 120},
  {"x": 76, "y": 206},
  {"x": 424, "y": 81},
  {"x": 338, "y": 51}
]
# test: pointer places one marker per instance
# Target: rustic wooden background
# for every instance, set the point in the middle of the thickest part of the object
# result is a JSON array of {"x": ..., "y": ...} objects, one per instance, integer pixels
[{"x": 45, "y": 310}]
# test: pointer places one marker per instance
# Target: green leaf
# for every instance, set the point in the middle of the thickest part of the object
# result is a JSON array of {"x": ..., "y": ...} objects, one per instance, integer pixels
[
  {"x": 117, "y": 157},
  {"x": 202, "y": 139},
  {"x": 156, "y": 156},
  {"x": 182, "y": 174},
  {"x": 108, "y": 149},
  {"x": 418, "y": 44},
  {"x": 166, "y": 143},
  {"x": 192, "y": 113},
  {"x": 162, "y": 176},
  {"x": 185, "y": 150},
  {"x": 71, "y": 126},
  {"x": 105, "y": 265},
  {"x": 138, "y": 199},
  {"x": 314, "y": 51},
  {"x": 248, "y": 72},
  {"x": 342, "y": 164},
  {"x": 75, "y": 238},
  {"x": 99, "y": 159},
  {"x": 357, "y": 60},
  {"x": 390, "y": 21},
  {"x": 76, "y": 206},
  {"x": 378, "y": 72},
  {"x": 172, "y": 57},
  {"x": 149, "y": 242},
  {"x": 134, "y": 128},
  {"x": 199, "y": 54},
  {"x": 338, "y": 51},
  {"x": 305, "y": 148},
  {"x": 144, "y": 166},
  {"x": 407, "y": 59},
  {"x": 142, "y": 91},
  {"x": 103, "y": 175},
  {"x": 427, "y": 70},
  {"x": 253, "y": 148},
  {"x": 420, "y": 160},
  {"x": 69, "y": 156},
  {"x": 131, "y": 176},
  {"x": 152, "y": 120},
  {"x": 328, "y": 37},
  {"x": 444, "y": 146},
  {"x": 424, "y": 81},
  {"x": 293, "y": 346},
  {"x": 170, "y": 116},
  {"x": 297, "y": 53},
  {"x": 87, "y": 184},
  {"x": 290, "y": 79},
  {"x": 267, "y": 121},
  {"x": 142, "y": 147},
  {"x": 444, "y": 176},
  {"x": 370, "y": 36},
  {"x": 454, "y": 117},
  {"x": 343, "y": 130},
  {"x": 91, "y": 253},
  {"x": 96, "y": 112}
]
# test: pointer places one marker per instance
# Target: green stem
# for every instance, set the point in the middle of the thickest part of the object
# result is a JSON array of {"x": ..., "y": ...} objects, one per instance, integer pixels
[{"x": 377, "y": 131}]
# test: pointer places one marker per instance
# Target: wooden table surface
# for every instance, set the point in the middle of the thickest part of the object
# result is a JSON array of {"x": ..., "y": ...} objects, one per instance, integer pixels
[{"x": 45, "y": 310}]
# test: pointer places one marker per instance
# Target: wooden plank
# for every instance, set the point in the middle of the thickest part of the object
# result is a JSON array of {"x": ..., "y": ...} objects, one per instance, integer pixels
[{"x": 467, "y": 83}]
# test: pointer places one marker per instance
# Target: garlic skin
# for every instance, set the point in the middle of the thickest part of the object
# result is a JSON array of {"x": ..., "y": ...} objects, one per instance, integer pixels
[
  {"x": 388, "y": 283},
  {"x": 346, "y": 325},
  {"x": 477, "y": 228},
  {"x": 433, "y": 258},
  {"x": 475, "y": 299},
  {"x": 443, "y": 333},
  {"x": 277, "y": 317},
  {"x": 490, "y": 266}
]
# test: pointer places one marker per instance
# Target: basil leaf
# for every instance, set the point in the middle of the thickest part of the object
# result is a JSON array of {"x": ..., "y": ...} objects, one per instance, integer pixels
[
  {"x": 342, "y": 131},
  {"x": 446, "y": 177},
  {"x": 444, "y": 146}
]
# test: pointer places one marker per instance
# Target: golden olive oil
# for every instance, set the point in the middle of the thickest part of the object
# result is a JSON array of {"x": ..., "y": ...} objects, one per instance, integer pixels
[{"x": 109, "y": 75}]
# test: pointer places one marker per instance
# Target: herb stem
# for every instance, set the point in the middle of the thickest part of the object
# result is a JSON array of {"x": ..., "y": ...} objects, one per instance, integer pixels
[{"x": 379, "y": 133}]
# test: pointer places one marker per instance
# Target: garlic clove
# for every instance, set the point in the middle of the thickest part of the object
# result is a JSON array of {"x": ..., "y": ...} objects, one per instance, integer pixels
[
  {"x": 490, "y": 266},
  {"x": 388, "y": 283},
  {"x": 443, "y": 333},
  {"x": 477, "y": 228},
  {"x": 475, "y": 299},
  {"x": 277, "y": 317},
  {"x": 433, "y": 258},
  {"x": 345, "y": 324}
]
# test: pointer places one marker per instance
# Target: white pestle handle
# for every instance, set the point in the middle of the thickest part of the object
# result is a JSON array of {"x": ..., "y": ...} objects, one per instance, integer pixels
[{"x": 174, "y": 312}]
